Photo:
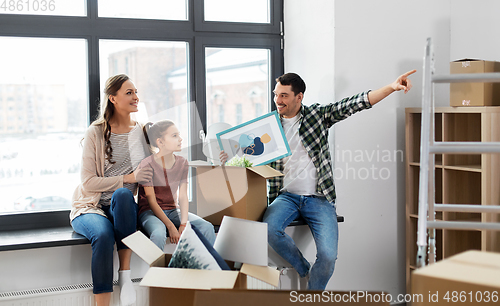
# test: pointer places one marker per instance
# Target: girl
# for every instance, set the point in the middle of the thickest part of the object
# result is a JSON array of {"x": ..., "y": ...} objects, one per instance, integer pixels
[
  {"x": 158, "y": 208},
  {"x": 104, "y": 209}
]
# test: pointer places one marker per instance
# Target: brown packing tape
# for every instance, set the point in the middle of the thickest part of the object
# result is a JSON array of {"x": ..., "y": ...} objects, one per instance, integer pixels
[{"x": 228, "y": 185}]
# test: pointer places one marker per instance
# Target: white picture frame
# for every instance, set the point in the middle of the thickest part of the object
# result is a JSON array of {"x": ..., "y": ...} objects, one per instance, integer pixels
[{"x": 262, "y": 140}]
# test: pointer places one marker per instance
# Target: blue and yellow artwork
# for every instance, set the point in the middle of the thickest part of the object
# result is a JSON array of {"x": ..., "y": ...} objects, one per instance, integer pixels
[{"x": 252, "y": 145}]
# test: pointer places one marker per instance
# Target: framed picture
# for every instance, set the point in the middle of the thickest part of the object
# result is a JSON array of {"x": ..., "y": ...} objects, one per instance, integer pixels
[{"x": 261, "y": 140}]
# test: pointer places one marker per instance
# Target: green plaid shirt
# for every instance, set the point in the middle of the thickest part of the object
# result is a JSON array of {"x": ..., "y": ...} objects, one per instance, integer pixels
[{"x": 313, "y": 132}]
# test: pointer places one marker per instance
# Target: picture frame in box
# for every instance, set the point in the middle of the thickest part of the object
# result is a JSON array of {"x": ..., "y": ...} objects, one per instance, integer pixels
[{"x": 262, "y": 140}]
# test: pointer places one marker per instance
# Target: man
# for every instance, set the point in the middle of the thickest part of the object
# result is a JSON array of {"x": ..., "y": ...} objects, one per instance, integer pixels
[{"x": 307, "y": 188}]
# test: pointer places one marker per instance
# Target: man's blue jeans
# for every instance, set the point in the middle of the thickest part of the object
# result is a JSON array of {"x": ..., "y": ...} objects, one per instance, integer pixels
[
  {"x": 157, "y": 230},
  {"x": 321, "y": 217},
  {"x": 102, "y": 232}
]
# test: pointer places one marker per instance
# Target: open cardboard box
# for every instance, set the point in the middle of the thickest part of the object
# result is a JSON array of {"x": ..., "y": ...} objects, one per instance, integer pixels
[
  {"x": 469, "y": 276},
  {"x": 231, "y": 191},
  {"x": 182, "y": 286},
  {"x": 173, "y": 286}
]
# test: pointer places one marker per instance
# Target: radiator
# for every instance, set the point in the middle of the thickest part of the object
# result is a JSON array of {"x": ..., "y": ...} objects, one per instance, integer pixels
[
  {"x": 253, "y": 283},
  {"x": 81, "y": 295},
  {"x": 74, "y": 295}
]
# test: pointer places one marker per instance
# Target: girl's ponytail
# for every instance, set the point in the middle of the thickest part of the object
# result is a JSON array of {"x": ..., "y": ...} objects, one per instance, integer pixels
[
  {"x": 154, "y": 131},
  {"x": 146, "y": 130}
]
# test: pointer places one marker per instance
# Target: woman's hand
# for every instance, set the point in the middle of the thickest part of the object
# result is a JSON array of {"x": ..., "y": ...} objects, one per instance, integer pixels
[
  {"x": 140, "y": 175},
  {"x": 223, "y": 157},
  {"x": 173, "y": 234}
]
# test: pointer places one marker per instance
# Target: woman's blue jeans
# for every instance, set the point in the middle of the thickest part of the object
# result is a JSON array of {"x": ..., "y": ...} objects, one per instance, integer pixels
[
  {"x": 157, "y": 230},
  {"x": 102, "y": 233},
  {"x": 321, "y": 217}
]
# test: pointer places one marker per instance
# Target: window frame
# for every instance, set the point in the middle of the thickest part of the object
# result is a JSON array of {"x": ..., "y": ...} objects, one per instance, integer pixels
[
  {"x": 196, "y": 32},
  {"x": 273, "y": 27}
]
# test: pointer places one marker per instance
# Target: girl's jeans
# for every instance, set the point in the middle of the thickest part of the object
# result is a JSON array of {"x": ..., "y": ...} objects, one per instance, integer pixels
[{"x": 157, "y": 230}]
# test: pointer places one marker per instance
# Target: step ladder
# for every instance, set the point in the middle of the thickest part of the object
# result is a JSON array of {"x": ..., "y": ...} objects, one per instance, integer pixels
[{"x": 429, "y": 147}]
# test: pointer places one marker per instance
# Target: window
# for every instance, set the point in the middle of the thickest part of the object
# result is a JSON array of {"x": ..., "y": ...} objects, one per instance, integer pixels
[
  {"x": 258, "y": 110},
  {"x": 191, "y": 60},
  {"x": 255, "y": 11},
  {"x": 47, "y": 118},
  {"x": 146, "y": 9},
  {"x": 154, "y": 68},
  {"x": 221, "y": 113},
  {"x": 235, "y": 72},
  {"x": 239, "y": 113}
]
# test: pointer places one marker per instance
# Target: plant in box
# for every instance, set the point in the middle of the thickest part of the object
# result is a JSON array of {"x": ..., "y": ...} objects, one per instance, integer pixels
[{"x": 237, "y": 161}]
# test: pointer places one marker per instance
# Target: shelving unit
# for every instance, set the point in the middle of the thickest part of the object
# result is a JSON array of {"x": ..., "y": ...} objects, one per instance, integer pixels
[{"x": 459, "y": 179}]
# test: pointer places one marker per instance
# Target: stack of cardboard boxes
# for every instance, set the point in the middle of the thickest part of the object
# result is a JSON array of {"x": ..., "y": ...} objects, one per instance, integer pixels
[
  {"x": 240, "y": 193},
  {"x": 474, "y": 94}
]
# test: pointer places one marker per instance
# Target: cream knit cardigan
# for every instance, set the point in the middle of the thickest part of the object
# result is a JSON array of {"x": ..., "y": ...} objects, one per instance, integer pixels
[{"x": 87, "y": 194}]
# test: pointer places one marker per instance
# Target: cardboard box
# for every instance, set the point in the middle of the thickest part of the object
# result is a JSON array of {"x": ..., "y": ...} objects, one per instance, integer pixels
[
  {"x": 237, "y": 297},
  {"x": 474, "y": 94},
  {"x": 175, "y": 286},
  {"x": 172, "y": 286},
  {"x": 467, "y": 278},
  {"x": 232, "y": 191}
]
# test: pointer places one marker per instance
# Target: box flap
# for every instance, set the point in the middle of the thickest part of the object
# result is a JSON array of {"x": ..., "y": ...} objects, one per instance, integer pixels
[
  {"x": 265, "y": 274},
  {"x": 143, "y": 247},
  {"x": 196, "y": 163},
  {"x": 472, "y": 267},
  {"x": 242, "y": 241},
  {"x": 265, "y": 171},
  {"x": 189, "y": 278}
]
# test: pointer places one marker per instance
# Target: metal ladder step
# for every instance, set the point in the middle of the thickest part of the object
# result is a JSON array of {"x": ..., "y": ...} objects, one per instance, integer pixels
[
  {"x": 459, "y": 147},
  {"x": 463, "y": 225},
  {"x": 467, "y": 208},
  {"x": 493, "y": 77}
]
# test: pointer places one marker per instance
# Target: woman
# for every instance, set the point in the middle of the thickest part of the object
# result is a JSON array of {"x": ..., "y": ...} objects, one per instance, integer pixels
[{"x": 104, "y": 209}]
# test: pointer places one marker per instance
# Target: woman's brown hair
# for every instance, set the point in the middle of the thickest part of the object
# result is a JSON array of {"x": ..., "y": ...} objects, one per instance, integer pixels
[{"x": 107, "y": 109}]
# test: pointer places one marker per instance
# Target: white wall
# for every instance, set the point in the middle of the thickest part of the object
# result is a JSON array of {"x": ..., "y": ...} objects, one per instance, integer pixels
[
  {"x": 366, "y": 44},
  {"x": 475, "y": 30},
  {"x": 387, "y": 40},
  {"x": 51, "y": 267}
]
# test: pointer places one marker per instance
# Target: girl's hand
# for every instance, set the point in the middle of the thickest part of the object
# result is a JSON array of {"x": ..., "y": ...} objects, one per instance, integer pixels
[
  {"x": 173, "y": 234},
  {"x": 223, "y": 157},
  {"x": 182, "y": 228}
]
